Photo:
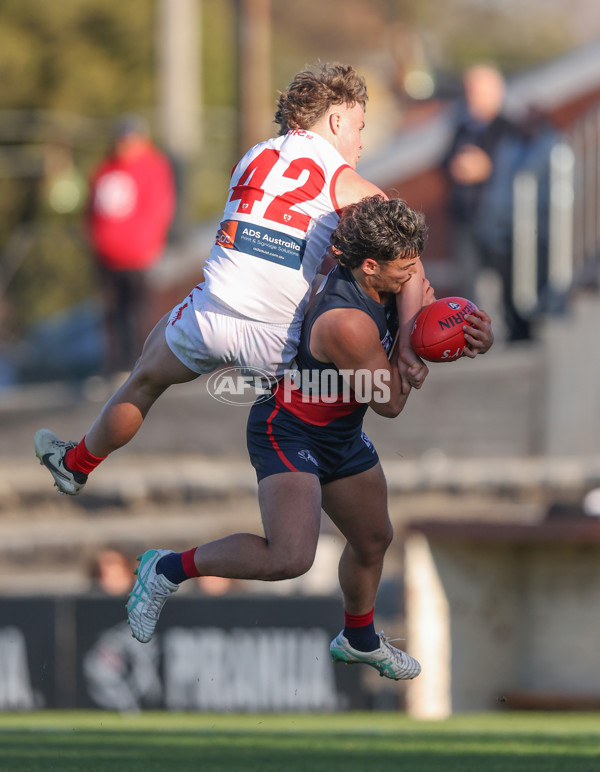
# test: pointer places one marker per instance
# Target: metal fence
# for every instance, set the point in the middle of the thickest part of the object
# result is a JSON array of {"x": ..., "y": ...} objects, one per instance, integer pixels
[
  {"x": 556, "y": 222},
  {"x": 584, "y": 138}
]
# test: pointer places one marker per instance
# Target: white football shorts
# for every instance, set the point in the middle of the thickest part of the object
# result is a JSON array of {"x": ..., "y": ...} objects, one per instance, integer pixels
[{"x": 204, "y": 334}]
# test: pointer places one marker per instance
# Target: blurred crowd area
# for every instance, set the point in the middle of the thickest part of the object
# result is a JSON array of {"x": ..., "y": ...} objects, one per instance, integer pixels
[
  {"x": 485, "y": 116},
  {"x": 206, "y": 90}
]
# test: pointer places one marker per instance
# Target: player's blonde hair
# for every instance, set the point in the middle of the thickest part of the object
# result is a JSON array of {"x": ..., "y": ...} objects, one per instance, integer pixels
[{"x": 312, "y": 92}]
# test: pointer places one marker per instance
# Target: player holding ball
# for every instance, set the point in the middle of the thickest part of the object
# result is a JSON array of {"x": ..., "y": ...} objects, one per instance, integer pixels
[{"x": 308, "y": 446}]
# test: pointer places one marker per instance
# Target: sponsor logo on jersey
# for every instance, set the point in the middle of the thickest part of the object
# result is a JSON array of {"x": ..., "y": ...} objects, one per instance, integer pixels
[
  {"x": 266, "y": 243},
  {"x": 299, "y": 133},
  {"x": 226, "y": 233},
  {"x": 367, "y": 442},
  {"x": 387, "y": 342}
]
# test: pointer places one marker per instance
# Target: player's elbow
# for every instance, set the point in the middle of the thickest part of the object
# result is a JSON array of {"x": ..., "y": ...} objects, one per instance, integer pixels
[
  {"x": 390, "y": 409},
  {"x": 394, "y": 410},
  {"x": 387, "y": 398}
]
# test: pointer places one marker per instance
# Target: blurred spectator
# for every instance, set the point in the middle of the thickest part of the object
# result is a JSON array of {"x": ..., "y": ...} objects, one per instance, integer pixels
[
  {"x": 112, "y": 572},
  {"x": 132, "y": 204},
  {"x": 480, "y": 163},
  {"x": 216, "y": 585}
]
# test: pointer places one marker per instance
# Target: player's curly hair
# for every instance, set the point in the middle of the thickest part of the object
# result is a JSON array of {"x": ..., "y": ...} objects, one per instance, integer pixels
[
  {"x": 312, "y": 92},
  {"x": 378, "y": 228}
]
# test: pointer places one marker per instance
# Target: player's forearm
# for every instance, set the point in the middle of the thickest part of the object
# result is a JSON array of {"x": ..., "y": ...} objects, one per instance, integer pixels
[
  {"x": 409, "y": 302},
  {"x": 390, "y": 400}
]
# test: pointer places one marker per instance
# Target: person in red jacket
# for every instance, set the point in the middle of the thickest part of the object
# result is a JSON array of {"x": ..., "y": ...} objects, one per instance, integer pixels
[{"x": 131, "y": 207}]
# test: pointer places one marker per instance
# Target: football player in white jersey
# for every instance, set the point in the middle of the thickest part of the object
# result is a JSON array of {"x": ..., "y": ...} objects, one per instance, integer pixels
[{"x": 281, "y": 209}]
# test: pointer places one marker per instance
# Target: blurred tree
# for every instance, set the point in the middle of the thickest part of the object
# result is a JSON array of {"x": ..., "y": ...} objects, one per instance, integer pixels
[
  {"x": 93, "y": 57},
  {"x": 58, "y": 62},
  {"x": 516, "y": 35},
  {"x": 88, "y": 60}
]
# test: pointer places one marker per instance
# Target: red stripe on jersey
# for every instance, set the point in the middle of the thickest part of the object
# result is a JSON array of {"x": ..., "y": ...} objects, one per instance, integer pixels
[
  {"x": 311, "y": 410},
  {"x": 276, "y": 447},
  {"x": 332, "y": 195},
  {"x": 180, "y": 311}
]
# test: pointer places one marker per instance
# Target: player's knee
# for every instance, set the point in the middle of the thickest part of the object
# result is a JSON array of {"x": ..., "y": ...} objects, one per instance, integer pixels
[
  {"x": 296, "y": 568},
  {"x": 292, "y": 565},
  {"x": 383, "y": 538},
  {"x": 373, "y": 548}
]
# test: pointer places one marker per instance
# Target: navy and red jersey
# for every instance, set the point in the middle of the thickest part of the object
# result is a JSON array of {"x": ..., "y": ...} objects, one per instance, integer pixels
[
  {"x": 319, "y": 395},
  {"x": 317, "y": 427}
]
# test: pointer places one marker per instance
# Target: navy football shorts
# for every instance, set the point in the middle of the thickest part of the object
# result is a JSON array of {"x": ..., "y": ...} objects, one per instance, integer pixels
[{"x": 279, "y": 442}]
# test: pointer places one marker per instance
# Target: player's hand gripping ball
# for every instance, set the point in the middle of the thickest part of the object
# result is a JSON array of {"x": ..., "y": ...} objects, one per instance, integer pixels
[{"x": 437, "y": 334}]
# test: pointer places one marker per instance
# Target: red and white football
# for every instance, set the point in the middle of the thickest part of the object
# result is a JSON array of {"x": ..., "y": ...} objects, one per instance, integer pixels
[{"x": 437, "y": 334}]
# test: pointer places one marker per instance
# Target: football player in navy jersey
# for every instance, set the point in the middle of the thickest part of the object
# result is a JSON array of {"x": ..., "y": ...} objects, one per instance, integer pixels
[{"x": 307, "y": 444}]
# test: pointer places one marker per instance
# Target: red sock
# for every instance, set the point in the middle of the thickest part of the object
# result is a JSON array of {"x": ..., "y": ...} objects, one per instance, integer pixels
[
  {"x": 358, "y": 620},
  {"x": 187, "y": 561},
  {"x": 79, "y": 459},
  {"x": 360, "y": 632}
]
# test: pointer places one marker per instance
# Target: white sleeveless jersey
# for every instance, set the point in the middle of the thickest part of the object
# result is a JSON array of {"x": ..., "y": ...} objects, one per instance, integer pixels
[{"x": 276, "y": 227}]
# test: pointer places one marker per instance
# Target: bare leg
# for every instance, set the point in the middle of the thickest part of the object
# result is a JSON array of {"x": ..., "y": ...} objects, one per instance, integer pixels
[
  {"x": 290, "y": 505},
  {"x": 123, "y": 414},
  {"x": 358, "y": 507}
]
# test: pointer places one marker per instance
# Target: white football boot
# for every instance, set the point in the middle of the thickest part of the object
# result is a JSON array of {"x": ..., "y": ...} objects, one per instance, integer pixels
[
  {"x": 51, "y": 452},
  {"x": 149, "y": 595},
  {"x": 387, "y": 659}
]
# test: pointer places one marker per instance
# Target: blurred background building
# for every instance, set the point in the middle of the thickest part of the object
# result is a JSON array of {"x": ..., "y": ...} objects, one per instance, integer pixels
[{"x": 492, "y": 464}]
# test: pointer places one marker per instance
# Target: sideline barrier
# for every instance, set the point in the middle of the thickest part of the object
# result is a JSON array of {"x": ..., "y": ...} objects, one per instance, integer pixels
[{"x": 225, "y": 654}]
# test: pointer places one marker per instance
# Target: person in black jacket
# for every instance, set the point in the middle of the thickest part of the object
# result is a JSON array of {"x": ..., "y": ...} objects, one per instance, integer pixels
[{"x": 481, "y": 161}]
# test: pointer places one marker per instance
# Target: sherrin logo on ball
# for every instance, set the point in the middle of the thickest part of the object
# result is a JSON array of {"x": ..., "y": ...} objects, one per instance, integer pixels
[{"x": 437, "y": 334}]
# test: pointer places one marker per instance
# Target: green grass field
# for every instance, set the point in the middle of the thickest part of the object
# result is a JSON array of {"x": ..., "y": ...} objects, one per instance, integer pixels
[{"x": 352, "y": 742}]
